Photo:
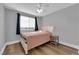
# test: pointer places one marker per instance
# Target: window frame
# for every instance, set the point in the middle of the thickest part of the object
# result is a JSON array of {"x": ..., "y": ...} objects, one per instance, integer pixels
[{"x": 24, "y": 28}]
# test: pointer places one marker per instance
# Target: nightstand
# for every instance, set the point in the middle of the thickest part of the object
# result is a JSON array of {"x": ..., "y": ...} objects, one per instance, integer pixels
[{"x": 54, "y": 39}]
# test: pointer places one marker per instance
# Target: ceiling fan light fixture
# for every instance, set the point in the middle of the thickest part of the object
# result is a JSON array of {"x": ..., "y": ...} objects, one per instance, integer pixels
[{"x": 39, "y": 10}]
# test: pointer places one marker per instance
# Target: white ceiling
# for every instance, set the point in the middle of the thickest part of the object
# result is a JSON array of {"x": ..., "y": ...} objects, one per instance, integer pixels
[{"x": 30, "y": 8}]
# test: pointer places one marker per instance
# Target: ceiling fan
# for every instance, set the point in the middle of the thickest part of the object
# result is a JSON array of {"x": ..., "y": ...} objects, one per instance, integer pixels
[{"x": 41, "y": 7}]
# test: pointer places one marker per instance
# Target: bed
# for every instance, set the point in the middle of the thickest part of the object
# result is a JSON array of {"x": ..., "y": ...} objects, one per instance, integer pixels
[{"x": 31, "y": 40}]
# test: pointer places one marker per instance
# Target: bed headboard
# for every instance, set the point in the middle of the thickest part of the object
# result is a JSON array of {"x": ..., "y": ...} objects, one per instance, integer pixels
[{"x": 48, "y": 28}]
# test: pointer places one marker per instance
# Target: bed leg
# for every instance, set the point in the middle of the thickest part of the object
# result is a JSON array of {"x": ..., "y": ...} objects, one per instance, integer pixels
[
  {"x": 26, "y": 52},
  {"x": 29, "y": 53}
]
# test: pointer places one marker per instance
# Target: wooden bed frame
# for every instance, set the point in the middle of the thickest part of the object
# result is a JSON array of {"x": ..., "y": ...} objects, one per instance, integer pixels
[{"x": 33, "y": 41}]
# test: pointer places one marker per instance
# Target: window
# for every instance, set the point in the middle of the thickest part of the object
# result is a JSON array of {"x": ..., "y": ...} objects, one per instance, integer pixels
[{"x": 27, "y": 22}]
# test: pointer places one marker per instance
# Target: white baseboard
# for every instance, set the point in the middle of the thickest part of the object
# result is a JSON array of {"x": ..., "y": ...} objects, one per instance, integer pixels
[
  {"x": 71, "y": 45},
  {"x": 12, "y": 42},
  {"x": 1, "y": 52},
  {"x": 8, "y": 43}
]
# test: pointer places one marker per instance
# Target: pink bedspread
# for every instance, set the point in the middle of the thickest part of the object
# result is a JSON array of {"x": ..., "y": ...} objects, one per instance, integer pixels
[{"x": 36, "y": 38}]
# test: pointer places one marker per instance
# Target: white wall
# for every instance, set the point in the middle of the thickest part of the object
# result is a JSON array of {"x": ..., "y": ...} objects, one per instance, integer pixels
[
  {"x": 10, "y": 21},
  {"x": 66, "y": 22},
  {"x": 40, "y": 20},
  {"x": 2, "y": 27}
]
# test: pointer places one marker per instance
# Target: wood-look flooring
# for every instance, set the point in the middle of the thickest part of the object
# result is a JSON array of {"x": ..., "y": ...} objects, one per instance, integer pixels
[{"x": 46, "y": 49}]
